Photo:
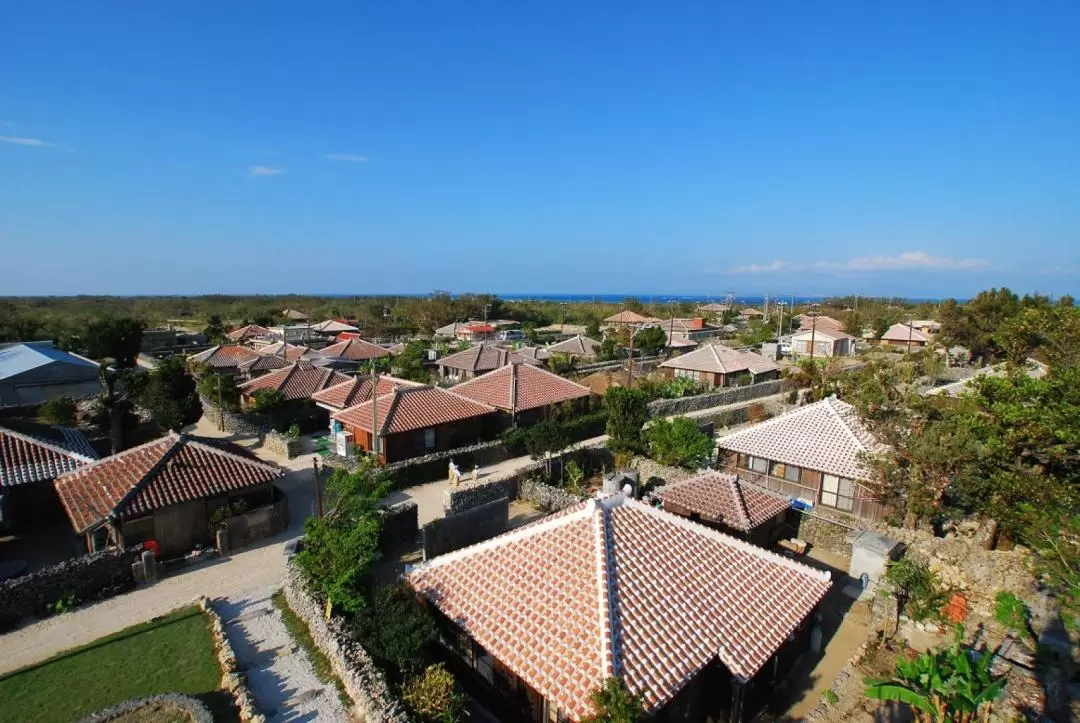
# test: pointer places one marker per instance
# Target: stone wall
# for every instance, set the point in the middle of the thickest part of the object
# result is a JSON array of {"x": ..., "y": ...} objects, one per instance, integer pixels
[
  {"x": 364, "y": 682},
  {"x": 824, "y": 534},
  {"x": 488, "y": 490},
  {"x": 733, "y": 395},
  {"x": 654, "y": 474},
  {"x": 92, "y": 577},
  {"x": 281, "y": 444},
  {"x": 546, "y": 497},
  {"x": 259, "y": 523},
  {"x": 467, "y": 527},
  {"x": 193, "y": 707},
  {"x": 232, "y": 678},
  {"x": 234, "y": 422},
  {"x": 400, "y": 527}
]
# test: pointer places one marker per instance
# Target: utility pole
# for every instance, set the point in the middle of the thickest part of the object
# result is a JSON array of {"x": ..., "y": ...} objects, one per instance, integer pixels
[
  {"x": 630, "y": 363},
  {"x": 766, "y": 309},
  {"x": 780, "y": 320},
  {"x": 908, "y": 334},
  {"x": 220, "y": 407},
  {"x": 374, "y": 412},
  {"x": 813, "y": 327},
  {"x": 486, "y": 307},
  {"x": 671, "y": 324}
]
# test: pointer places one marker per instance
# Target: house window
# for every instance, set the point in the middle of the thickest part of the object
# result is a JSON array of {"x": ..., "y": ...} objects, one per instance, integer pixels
[
  {"x": 776, "y": 469},
  {"x": 743, "y": 461},
  {"x": 686, "y": 374},
  {"x": 791, "y": 473},
  {"x": 429, "y": 439},
  {"x": 759, "y": 465},
  {"x": 837, "y": 492}
]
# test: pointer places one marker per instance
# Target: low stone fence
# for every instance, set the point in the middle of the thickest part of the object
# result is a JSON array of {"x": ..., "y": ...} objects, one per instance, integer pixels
[
  {"x": 467, "y": 527},
  {"x": 546, "y": 497},
  {"x": 232, "y": 679},
  {"x": 92, "y": 577},
  {"x": 400, "y": 527},
  {"x": 645, "y": 362},
  {"x": 435, "y": 466},
  {"x": 733, "y": 395},
  {"x": 192, "y": 707},
  {"x": 282, "y": 444},
  {"x": 232, "y": 422},
  {"x": 259, "y": 523},
  {"x": 364, "y": 682}
]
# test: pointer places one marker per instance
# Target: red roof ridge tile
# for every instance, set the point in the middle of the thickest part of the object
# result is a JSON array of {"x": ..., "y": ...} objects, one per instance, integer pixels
[{"x": 51, "y": 446}]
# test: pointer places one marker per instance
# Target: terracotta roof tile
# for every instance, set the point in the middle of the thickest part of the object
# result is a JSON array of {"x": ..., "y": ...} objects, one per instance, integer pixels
[
  {"x": 248, "y": 332},
  {"x": 358, "y": 390},
  {"x": 628, "y": 317},
  {"x": 265, "y": 363},
  {"x": 833, "y": 334},
  {"x": 519, "y": 387},
  {"x": 224, "y": 356},
  {"x": 899, "y": 333},
  {"x": 157, "y": 474},
  {"x": 576, "y": 346},
  {"x": 354, "y": 350},
  {"x": 482, "y": 358},
  {"x": 826, "y": 436},
  {"x": 717, "y": 358},
  {"x": 411, "y": 408},
  {"x": 293, "y": 352},
  {"x": 724, "y": 498},
  {"x": 296, "y": 381},
  {"x": 38, "y": 452},
  {"x": 613, "y": 586},
  {"x": 806, "y": 322},
  {"x": 333, "y": 326}
]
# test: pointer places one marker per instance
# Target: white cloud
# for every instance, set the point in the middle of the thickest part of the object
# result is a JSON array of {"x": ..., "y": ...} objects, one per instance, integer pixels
[
  {"x": 264, "y": 171},
  {"x": 22, "y": 141},
  {"x": 906, "y": 261},
  {"x": 349, "y": 157}
]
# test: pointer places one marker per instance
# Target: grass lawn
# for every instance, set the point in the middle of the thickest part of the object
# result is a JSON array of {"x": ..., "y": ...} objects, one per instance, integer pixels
[{"x": 171, "y": 654}]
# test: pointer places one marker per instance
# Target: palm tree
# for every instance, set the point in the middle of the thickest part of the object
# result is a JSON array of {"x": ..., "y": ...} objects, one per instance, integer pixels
[{"x": 947, "y": 685}]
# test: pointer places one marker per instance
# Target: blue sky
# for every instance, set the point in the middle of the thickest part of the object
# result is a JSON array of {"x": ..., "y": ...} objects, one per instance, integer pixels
[{"x": 918, "y": 148}]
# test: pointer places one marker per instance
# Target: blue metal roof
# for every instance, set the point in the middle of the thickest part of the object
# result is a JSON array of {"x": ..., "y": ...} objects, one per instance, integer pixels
[{"x": 24, "y": 356}]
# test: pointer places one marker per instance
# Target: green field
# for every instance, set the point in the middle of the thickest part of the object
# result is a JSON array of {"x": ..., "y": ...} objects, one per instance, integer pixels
[{"x": 171, "y": 654}]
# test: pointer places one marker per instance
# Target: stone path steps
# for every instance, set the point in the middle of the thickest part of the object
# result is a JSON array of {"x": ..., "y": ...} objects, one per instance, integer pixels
[{"x": 279, "y": 673}]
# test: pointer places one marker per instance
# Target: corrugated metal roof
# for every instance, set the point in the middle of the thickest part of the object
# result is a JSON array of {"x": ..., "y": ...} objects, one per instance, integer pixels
[{"x": 24, "y": 356}]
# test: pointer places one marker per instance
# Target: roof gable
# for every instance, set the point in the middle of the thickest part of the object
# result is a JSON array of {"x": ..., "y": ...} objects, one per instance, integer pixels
[
  {"x": 482, "y": 358},
  {"x": 225, "y": 356},
  {"x": 358, "y": 390},
  {"x": 296, "y": 381},
  {"x": 354, "y": 350},
  {"x": 626, "y": 316},
  {"x": 166, "y": 471},
  {"x": 615, "y": 587},
  {"x": 577, "y": 345},
  {"x": 826, "y": 436},
  {"x": 724, "y": 498}
]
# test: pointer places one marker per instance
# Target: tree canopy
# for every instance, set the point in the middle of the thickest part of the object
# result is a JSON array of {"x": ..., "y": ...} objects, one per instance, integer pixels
[
  {"x": 678, "y": 442},
  {"x": 170, "y": 395},
  {"x": 628, "y": 410}
]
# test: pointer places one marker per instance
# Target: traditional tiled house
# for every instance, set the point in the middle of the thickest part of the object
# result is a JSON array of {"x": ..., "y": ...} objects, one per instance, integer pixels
[
  {"x": 31, "y": 457},
  {"x": 247, "y": 333},
  {"x": 352, "y": 353},
  {"x": 525, "y": 394},
  {"x": 294, "y": 315},
  {"x": 538, "y": 354},
  {"x": 225, "y": 359},
  {"x": 576, "y": 347},
  {"x": 414, "y": 421},
  {"x": 902, "y": 336},
  {"x": 715, "y": 365},
  {"x": 627, "y": 319},
  {"x": 696, "y": 622},
  {"x": 813, "y": 453},
  {"x": 163, "y": 491},
  {"x": 296, "y": 382},
  {"x": 730, "y": 504},
  {"x": 289, "y": 352},
  {"x": 477, "y": 360},
  {"x": 821, "y": 323}
]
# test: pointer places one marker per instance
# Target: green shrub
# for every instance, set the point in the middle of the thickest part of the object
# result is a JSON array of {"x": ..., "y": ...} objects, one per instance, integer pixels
[
  {"x": 433, "y": 696},
  {"x": 395, "y": 631},
  {"x": 61, "y": 411},
  {"x": 678, "y": 442},
  {"x": 917, "y": 589}
]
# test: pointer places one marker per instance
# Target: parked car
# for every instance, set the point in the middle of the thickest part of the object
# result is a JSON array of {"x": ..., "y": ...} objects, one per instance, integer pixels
[{"x": 511, "y": 335}]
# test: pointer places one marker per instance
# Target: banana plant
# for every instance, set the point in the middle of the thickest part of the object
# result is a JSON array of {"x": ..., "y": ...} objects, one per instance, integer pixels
[{"x": 947, "y": 685}]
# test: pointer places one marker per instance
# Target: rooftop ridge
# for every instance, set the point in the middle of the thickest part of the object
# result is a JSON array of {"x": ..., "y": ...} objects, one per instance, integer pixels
[
  {"x": 198, "y": 443},
  {"x": 67, "y": 476},
  {"x": 51, "y": 446},
  {"x": 602, "y": 549},
  {"x": 731, "y": 541},
  {"x": 156, "y": 467},
  {"x": 831, "y": 404}
]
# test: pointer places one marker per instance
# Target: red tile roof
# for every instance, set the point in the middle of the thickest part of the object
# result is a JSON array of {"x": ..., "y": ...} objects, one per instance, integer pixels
[
  {"x": 164, "y": 472},
  {"x": 628, "y": 317},
  {"x": 38, "y": 452},
  {"x": 265, "y": 363},
  {"x": 615, "y": 587},
  {"x": 482, "y": 358},
  {"x": 358, "y": 390},
  {"x": 224, "y": 357},
  {"x": 477, "y": 328},
  {"x": 726, "y": 499},
  {"x": 518, "y": 387},
  {"x": 717, "y": 358},
  {"x": 354, "y": 350},
  {"x": 247, "y": 332},
  {"x": 576, "y": 346},
  {"x": 826, "y": 436},
  {"x": 293, "y": 352},
  {"x": 406, "y": 409},
  {"x": 296, "y": 381}
]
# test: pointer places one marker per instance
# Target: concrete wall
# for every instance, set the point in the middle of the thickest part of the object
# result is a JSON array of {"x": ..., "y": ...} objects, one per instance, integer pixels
[
  {"x": 465, "y": 528},
  {"x": 671, "y": 407},
  {"x": 364, "y": 683},
  {"x": 93, "y": 577}
]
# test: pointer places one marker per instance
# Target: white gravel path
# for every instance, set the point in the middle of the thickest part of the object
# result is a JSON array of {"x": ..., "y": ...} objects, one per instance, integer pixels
[{"x": 278, "y": 671}]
